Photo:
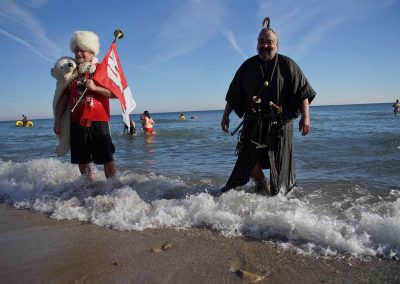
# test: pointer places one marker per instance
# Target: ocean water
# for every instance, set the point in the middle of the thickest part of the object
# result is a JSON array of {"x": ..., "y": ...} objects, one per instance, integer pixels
[{"x": 346, "y": 202}]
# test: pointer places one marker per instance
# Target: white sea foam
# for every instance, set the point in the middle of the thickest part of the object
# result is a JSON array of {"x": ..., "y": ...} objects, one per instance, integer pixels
[{"x": 135, "y": 201}]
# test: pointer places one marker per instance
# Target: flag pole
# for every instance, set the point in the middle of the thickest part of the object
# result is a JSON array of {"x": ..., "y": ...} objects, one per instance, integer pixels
[
  {"x": 118, "y": 34},
  {"x": 80, "y": 98}
]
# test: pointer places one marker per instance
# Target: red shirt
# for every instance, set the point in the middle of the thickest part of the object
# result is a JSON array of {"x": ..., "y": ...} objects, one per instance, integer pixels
[{"x": 99, "y": 105}]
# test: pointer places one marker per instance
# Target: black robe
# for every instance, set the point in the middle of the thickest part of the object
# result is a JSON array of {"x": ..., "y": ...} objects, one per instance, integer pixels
[{"x": 287, "y": 87}]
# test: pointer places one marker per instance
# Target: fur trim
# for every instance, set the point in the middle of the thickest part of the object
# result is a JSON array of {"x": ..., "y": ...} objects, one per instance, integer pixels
[
  {"x": 85, "y": 40},
  {"x": 64, "y": 71}
]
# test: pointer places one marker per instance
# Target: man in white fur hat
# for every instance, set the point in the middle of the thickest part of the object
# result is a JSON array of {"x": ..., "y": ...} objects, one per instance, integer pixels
[{"x": 89, "y": 116}]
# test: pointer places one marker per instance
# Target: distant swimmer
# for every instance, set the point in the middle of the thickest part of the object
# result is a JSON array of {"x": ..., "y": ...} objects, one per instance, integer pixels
[
  {"x": 396, "y": 107},
  {"x": 25, "y": 118},
  {"x": 24, "y": 122},
  {"x": 182, "y": 116},
  {"x": 132, "y": 128},
  {"x": 147, "y": 123},
  {"x": 193, "y": 117}
]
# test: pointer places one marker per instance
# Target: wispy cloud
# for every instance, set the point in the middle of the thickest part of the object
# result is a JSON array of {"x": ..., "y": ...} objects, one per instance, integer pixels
[
  {"x": 135, "y": 66},
  {"x": 191, "y": 26},
  {"x": 230, "y": 36},
  {"x": 28, "y": 28},
  {"x": 36, "y": 3},
  {"x": 303, "y": 26},
  {"x": 26, "y": 44}
]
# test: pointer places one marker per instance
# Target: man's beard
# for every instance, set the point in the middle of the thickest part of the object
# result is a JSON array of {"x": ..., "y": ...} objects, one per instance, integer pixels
[
  {"x": 266, "y": 54},
  {"x": 83, "y": 67}
]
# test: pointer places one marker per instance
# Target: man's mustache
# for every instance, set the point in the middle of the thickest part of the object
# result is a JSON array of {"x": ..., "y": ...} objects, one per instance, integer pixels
[{"x": 264, "y": 50}]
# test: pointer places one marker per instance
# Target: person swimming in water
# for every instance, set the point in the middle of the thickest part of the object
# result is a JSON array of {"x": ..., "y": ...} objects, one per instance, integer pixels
[
  {"x": 24, "y": 119},
  {"x": 396, "y": 107},
  {"x": 132, "y": 128},
  {"x": 147, "y": 123}
]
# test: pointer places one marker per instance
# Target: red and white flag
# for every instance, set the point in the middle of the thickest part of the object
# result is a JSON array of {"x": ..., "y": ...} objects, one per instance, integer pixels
[{"x": 109, "y": 75}]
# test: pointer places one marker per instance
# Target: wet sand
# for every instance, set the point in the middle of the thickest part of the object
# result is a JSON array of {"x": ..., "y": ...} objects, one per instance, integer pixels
[{"x": 37, "y": 249}]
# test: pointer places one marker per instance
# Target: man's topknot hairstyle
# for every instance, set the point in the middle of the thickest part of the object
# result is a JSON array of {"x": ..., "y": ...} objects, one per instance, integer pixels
[{"x": 266, "y": 26}]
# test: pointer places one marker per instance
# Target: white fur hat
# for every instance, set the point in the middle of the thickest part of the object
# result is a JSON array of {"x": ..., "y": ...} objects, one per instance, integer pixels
[{"x": 85, "y": 40}]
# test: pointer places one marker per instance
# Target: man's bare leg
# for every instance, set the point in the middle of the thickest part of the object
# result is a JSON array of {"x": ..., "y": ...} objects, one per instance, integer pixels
[
  {"x": 110, "y": 169},
  {"x": 257, "y": 173},
  {"x": 259, "y": 178},
  {"x": 86, "y": 169}
]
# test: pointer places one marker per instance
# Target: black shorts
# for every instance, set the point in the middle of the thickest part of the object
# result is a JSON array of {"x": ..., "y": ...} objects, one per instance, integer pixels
[{"x": 91, "y": 144}]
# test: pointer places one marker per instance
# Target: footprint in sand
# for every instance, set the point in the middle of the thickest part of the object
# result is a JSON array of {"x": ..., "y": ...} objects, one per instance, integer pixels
[{"x": 163, "y": 247}]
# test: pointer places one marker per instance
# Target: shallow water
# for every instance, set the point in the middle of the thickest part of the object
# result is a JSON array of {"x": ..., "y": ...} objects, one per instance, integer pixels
[{"x": 347, "y": 200}]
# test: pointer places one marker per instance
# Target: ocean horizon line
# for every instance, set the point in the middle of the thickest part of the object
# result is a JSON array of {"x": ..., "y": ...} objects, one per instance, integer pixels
[{"x": 197, "y": 111}]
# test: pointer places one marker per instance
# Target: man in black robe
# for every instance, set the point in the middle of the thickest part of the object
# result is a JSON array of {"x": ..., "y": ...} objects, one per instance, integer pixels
[{"x": 268, "y": 91}]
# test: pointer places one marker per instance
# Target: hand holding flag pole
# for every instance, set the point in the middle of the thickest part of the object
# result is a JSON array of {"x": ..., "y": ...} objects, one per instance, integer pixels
[{"x": 118, "y": 34}]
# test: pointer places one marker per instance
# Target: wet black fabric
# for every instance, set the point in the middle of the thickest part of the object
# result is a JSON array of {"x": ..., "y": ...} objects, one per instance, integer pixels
[
  {"x": 287, "y": 87},
  {"x": 91, "y": 144}
]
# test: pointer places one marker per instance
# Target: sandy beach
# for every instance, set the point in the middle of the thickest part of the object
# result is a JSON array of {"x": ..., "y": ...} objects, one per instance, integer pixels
[{"x": 37, "y": 249}]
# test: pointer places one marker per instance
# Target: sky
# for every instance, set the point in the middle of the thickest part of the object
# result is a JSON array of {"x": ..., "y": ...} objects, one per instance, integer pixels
[{"x": 181, "y": 55}]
